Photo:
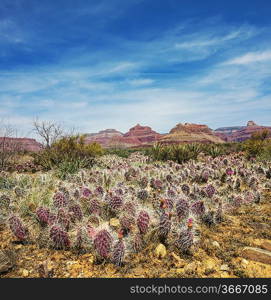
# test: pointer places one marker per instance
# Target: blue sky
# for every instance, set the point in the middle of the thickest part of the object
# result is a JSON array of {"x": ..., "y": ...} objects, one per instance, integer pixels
[{"x": 114, "y": 63}]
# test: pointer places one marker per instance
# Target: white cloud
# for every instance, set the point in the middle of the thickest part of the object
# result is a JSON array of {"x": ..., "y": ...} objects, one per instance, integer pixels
[{"x": 251, "y": 57}]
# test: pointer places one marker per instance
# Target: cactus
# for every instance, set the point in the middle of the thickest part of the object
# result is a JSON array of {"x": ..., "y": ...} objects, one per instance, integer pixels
[
  {"x": 143, "y": 221},
  {"x": 115, "y": 203},
  {"x": 43, "y": 215},
  {"x": 143, "y": 195},
  {"x": 164, "y": 225},
  {"x": 95, "y": 207},
  {"x": 99, "y": 191},
  {"x": 137, "y": 242},
  {"x": 210, "y": 191},
  {"x": 130, "y": 208},
  {"x": 182, "y": 208},
  {"x": 76, "y": 212},
  {"x": 103, "y": 243},
  {"x": 86, "y": 192},
  {"x": 63, "y": 218},
  {"x": 185, "y": 189},
  {"x": 126, "y": 221},
  {"x": 186, "y": 238},
  {"x": 118, "y": 252},
  {"x": 171, "y": 193},
  {"x": 17, "y": 228},
  {"x": 4, "y": 202},
  {"x": 59, "y": 237},
  {"x": 143, "y": 183},
  {"x": 60, "y": 200},
  {"x": 198, "y": 208}
]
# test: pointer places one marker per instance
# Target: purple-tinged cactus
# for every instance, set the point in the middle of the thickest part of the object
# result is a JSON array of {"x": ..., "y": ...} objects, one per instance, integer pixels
[
  {"x": 130, "y": 208},
  {"x": 185, "y": 189},
  {"x": 127, "y": 221},
  {"x": 143, "y": 183},
  {"x": 99, "y": 191},
  {"x": 171, "y": 193},
  {"x": 17, "y": 228},
  {"x": 103, "y": 243},
  {"x": 156, "y": 184},
  {"x": 182, "y": 208},
  {"x": 137, "y": 242},
  {"x": 4, "y": 202},
  {"x": 86, "y": 192},
  {"x": 237, "y": 201},
  {"x": 59, "y": 200},
  {"x": 186, "y": 238},
  {"x": 143, "y": 221},
  {"x": 115, "y": 203},
  {"x": 59, "y": 237},
  {"x": 164, "y": 225},
  {"x": 118, "y": 252},
  {"x": 169, "y": 178},
  {"x": 63, "y": 218},
  {"x": 76, "y": 212},
  {"x": 95, "y": 207},
  {"x": 210, "y": 191},
  {"x": 198, "y": 208},
  {"x": 204, "y": 176},
  {"x": 43, "y": 215},
  {"x": 143, "y": 195}
]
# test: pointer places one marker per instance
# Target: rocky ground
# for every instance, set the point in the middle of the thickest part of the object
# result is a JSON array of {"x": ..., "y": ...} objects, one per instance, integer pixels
[{"x": 223, "y": 252}]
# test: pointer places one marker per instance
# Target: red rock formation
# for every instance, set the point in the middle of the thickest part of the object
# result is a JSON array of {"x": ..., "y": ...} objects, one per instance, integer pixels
[
  {"x": 190, "y": 133},
  {"x": 246, "y": 132},
  {"x": 144, "y": 134},
  {"x": 103, "y": 137},
  {"x": 21, "y": 144}
]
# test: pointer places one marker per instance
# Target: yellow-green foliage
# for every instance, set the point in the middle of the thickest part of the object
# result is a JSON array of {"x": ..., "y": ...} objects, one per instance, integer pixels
[
  {"x": 258, "y": 146},
  {"x": 69, "y": 153}
]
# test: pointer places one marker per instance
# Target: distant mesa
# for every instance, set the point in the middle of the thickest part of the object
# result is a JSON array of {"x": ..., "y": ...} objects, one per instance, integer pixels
[
  {"x": 22, "y": 144},
  {"x": 190, "y": 133},
  {"x": 240, "y": 133},
  {"x": 103, "y": 137}
]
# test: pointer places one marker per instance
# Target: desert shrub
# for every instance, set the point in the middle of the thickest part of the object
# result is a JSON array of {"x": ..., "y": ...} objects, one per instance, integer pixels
[
  {"x": 68, "y": 154},
  {"x": 258, "y": 146}
]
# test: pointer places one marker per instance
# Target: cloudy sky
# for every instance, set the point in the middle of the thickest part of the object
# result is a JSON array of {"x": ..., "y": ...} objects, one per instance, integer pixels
[{"x": 114, "y": 63}]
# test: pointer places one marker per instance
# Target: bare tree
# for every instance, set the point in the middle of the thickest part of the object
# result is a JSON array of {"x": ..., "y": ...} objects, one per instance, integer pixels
[
  {"x": 48, "y": 131},
  {"x": 9, "y": 144}
]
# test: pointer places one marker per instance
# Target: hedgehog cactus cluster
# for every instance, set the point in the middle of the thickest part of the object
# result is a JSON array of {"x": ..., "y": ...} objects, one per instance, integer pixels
[{"x": 122, "y": 204}]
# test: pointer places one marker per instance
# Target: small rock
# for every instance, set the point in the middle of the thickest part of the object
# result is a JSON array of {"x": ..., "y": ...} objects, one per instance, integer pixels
[
  {"x": 216, "y": 244},
  {"x": 25, "y": 273},
  {"x": 224, "y": 268},
  {"x": 114, "y": 222},
  {"x": 257, "y": 254},
  {"x": 266, "y": 245},
  {"x": 160, "y": 251},
  {"x": 244, "y": 261}
]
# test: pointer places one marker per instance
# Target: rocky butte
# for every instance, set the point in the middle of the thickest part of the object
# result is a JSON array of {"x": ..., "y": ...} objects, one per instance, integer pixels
[
  {"x": 103, "y": 137},
  {"x": 241, "y": 133},
  {"x": 21, "y": 144},
  {"x": 190, "y": 133},
  {"x": 137, "y": 136}
]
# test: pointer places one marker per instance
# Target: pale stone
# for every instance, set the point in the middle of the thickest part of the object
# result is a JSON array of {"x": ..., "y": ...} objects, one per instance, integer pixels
[
  {"x": 114, "y": 222},
  {"x": 257, "y": 254},
  {"x": 215, "y": 244},
  {"x": 160, "y": 251},
  {"x": 224, "y": 268}
]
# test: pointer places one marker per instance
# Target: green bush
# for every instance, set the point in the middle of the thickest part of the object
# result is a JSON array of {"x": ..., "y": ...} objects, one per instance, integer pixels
[{"x": 69, "y": 154}]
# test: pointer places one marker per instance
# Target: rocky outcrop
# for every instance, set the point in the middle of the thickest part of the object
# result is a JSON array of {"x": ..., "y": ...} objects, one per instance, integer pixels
[
  {"x": 137, "y": 136},
  {"x": 103, "y": 137},
  {"x": 144, "y": 134},
  {"x": 190, "y": 133},
  {"x": 241, "y": 133},
  {"x": 21, "y": 144}
]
